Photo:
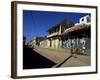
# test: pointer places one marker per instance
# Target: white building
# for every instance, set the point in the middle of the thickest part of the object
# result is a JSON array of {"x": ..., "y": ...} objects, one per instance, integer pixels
[{"x": 86, "y": 19}]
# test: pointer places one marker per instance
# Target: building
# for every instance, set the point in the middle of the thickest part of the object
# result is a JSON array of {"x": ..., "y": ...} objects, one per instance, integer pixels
[
  {"x": 79, "y": 35},
  {"x": 36, "y": 41},
  {"x": 54, "y": 36},
  {"x": 44, "y": 43},
  {"x": 66, "y": 34}
]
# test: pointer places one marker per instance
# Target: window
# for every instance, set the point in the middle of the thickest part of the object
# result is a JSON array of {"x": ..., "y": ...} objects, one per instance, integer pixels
[{"x": 88, "y": 19}]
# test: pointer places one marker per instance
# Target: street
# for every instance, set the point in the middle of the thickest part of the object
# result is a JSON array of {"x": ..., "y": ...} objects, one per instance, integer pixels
[{"x": 62, "y": 57}]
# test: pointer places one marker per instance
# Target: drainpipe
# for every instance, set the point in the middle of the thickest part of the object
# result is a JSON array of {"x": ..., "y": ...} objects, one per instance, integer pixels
[{"x": 60, "y": 29}]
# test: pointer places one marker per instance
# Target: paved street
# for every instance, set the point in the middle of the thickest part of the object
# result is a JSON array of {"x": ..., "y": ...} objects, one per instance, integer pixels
[{"x": 62, "y": 57}]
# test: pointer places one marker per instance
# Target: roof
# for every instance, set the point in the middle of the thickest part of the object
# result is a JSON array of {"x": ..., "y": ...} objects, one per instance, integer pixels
[
  {"x": 65, "y": 21},
  {"x": 76, "y": 28}
]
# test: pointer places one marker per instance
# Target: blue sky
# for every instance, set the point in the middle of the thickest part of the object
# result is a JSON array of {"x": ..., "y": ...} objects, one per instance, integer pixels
[{"x": 36, "y": 23}]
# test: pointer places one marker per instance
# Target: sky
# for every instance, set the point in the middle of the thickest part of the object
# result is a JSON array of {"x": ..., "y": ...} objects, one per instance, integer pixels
[{"x": 36, "y": 23}]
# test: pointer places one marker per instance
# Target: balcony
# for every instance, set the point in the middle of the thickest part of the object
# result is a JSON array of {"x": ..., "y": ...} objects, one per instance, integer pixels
[{"x": 53, "y": 34}]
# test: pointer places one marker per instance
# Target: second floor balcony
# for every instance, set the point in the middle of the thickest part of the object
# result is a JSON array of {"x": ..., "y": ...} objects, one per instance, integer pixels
[{"x": 53, "y": 34}]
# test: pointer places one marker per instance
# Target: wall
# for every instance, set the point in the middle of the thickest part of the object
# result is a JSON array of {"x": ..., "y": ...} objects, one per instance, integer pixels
[
  {"x": 77, "y": 43},
  {"x": 5, "y": 41},
  {"x": 55, "y": 42},
  {"x": 44, "y": 44}
]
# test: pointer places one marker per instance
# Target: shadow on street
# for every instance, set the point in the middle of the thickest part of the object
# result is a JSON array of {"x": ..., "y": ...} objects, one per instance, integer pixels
[
  {"x": 33, "y": 60},
  {"x": 59, "y": 65}
]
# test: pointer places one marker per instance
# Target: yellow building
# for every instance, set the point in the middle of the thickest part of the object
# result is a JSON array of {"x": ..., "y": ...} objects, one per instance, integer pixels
[{"x": 54, "y": 33}]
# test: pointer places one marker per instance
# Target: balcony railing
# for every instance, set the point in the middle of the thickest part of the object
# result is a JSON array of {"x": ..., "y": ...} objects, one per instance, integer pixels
[{"x": 53, "y": 34}]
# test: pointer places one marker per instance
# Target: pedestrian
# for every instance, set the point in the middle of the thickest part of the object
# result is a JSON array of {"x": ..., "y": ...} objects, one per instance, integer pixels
[{"x": 73, "y": 50}]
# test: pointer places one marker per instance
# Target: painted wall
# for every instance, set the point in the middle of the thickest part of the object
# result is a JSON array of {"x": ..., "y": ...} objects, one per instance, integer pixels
[
  {"x": 80, "y": 43},
  {"x": 55, "y": 43}
]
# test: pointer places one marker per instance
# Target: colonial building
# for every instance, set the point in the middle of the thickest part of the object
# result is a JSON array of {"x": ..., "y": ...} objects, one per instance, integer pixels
[
  {"x": 79, "y": 35},
  {"x": 68, "y": 35},
  {"x": 55, "y": 33}
]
